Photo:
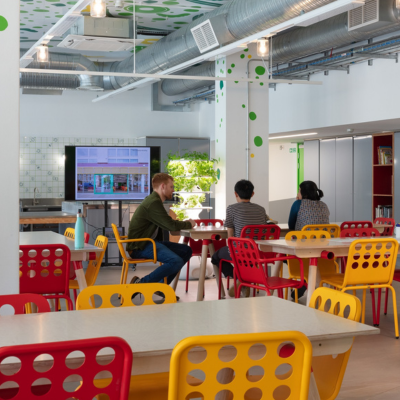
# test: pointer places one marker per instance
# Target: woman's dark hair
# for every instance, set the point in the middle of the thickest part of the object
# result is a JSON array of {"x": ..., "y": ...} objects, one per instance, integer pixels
[
  {"x": 244, "y": 189},
  {"x": 310, "y": 191}
]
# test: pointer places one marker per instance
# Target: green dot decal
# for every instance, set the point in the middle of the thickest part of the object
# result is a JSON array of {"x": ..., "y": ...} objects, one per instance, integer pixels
[
  {"x": 233, "y": 65},
  {"x": 258, "y": 141},
  {"x": 261, "y": 84},
  {"x": 218, "y": 172},
  {"x": 242, "y": 56},
  {"x": 243, "y": 105},
  {"x": 229, "y": 71},
  {"x": 3, "y": 24},
  {"x": 260, "y": 70},
  {"x": 236, "y": 81},
  {"x": 221, "y": 85},
  {"x": 253, "y": 116}
]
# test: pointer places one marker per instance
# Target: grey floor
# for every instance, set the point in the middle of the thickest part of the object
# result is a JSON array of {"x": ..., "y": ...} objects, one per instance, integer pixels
[{"x": 373, "y": 371}]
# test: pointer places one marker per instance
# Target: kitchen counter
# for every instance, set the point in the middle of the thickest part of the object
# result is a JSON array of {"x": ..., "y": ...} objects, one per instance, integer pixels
[{"x": 46, "y": 217}]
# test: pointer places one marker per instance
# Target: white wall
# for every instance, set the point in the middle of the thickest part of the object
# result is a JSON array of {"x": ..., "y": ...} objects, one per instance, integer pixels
[
  {"x": 128, "y": 115},
  {"x": 282, "y": 171},
  {"x": 368, "y": 93},
  {"x": 207, "y": 120}
]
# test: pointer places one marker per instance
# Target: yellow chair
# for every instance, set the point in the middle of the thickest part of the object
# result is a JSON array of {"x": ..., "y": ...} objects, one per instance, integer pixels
[
  {"x": 125, "y": 292},
  {"x": 241, "y": 366},
  {"x": 328, "y": 370},
  {"x": 150, "y": 386},
  {"x": 370, "y": 265},
  {"x": 70, "y": 233},
  {"x": 333, "y": 229},
  {"x": 93, "y": 267},
  {"x": 127, "y": 260},
  {"x": 325, "y": 266}
]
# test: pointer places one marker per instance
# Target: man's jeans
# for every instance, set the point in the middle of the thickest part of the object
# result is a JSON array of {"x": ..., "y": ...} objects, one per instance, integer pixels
[{"x": 173, "y": 256}]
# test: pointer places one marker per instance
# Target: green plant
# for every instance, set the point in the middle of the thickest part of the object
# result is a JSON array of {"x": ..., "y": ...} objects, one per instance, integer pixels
[{"x": 190, "y": 171}]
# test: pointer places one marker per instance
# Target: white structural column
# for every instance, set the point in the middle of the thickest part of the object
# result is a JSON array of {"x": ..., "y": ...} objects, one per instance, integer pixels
[
  {"x": 9, "y": 151},
  {"x": 241, "y": 128}
]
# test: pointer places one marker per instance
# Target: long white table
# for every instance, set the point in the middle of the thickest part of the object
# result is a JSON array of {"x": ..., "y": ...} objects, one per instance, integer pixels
[
  {"x": 77, "y": 255},
  {"x": 153, "y": 331},
  {"x": 310, "y": 248}
]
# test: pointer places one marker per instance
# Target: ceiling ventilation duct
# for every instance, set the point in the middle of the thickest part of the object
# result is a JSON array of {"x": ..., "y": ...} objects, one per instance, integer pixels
[
  {"x": 301, "y": 42},
  {"x": 368, "y": 17}
]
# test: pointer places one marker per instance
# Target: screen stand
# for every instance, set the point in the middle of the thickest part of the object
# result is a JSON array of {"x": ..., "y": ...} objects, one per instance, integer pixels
[{"x": 106, "y": 263}]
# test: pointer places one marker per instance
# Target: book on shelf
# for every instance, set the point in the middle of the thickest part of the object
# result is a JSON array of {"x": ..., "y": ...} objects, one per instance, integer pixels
[
  {"x": 383, "y": 211},
  {"x": 385, "y": 155}
]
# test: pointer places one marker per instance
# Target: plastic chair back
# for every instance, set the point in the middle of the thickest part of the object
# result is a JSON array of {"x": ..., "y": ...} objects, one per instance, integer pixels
[
  {"x": 123, "y": 295},
  {"x": 356, "y": 225},
  {"x": 241, "y": 366},
  {"x": 70, "y": 233},
  {"x": 328, "y": 370},
  {"x": 389, "y": 225},
  {"x": 44, "y": 269},
  {"x": 18, "y": 302},
  {"x": 333, "y": 229},
  {"x": 325, "y": 266},
  {"x": 93, "y": 267},
  {"x": 371, "y": 261},
  {"x": 119, "y": 244},
  {"x": 359, "y": 232},
  {"x": 45, "y": 381},
  {"x": 246, "y": 258},
  {"x": 261, "y": 232}
]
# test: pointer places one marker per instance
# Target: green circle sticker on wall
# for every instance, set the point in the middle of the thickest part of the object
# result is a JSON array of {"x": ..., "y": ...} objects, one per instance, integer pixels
[
  {"x": 221, "y": 85},
  {"x": 3, "y": 23},
  {"x": 258, "y": 141},
  {"x": 218, "y": 174},
  {"x": 260, "y": 70},
  {"x": 253, "y": 116}
]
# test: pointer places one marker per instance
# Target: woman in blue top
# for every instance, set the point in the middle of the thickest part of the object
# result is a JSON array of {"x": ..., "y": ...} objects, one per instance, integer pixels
[{"x": 308, "y": 209}]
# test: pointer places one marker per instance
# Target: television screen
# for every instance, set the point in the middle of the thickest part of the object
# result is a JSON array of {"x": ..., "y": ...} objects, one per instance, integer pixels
[{"x": 109, "y": 173}]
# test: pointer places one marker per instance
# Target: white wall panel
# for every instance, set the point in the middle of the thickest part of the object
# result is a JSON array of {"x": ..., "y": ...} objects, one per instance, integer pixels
[{"x": 328, "y": 175}]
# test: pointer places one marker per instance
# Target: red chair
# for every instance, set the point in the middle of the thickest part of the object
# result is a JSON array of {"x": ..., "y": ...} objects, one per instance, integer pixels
[
  {"x": 47, "y": 382},
  {"x": 44, "y": 269},
  {"x": 196, "y": 245},
  {"x": 255, "y": 232},
  {"x": 252, "y": 271},
  {"x": 356, "y": 225},
  {"x": 396, "y": 277},
  {"x": 19, "y": 301},
  {"x": 389, "y": 223}
]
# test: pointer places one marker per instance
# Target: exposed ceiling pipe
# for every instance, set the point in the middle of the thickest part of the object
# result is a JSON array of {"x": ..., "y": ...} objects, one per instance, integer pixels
[
  {"x": 301, "y": 42},
  {"x": 63, "y": 62},
  {"x": 233, "y": 21}
]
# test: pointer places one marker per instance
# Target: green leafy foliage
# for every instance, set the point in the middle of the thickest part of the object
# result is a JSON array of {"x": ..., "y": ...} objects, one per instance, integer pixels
[{"x": 190, "y": 171}]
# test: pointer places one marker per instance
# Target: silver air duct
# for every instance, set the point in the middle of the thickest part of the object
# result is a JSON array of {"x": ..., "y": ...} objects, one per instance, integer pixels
[
  {"x": 331, "y": 33},
  {"x": 233, "y": 21},
  {"x": 63, "y": 62}
]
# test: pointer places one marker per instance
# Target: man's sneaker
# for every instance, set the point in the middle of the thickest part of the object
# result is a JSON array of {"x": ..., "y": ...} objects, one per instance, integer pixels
[
  {"x": 161, "y": 294},
  {"x": 135, "y": 279}
]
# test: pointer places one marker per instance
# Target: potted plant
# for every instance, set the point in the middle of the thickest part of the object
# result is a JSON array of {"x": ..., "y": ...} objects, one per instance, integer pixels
[{"x": 193, "y": 174}]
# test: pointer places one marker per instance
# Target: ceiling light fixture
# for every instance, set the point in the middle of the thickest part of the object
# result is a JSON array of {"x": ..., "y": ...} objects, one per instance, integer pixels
[
  {"x": 119, "y": 3},
  {"x": 263, "y": 47},
  {"x": 42, "y": 54},
  {"x": 290, "y": 136},
  {"x": 98, "y": 9},
  {"x": 398, "y": 4}
]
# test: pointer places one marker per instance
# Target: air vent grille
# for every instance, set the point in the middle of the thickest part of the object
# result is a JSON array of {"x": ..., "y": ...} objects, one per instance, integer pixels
[
  {"x": 204, "y": 36},
  {"x": 364, "y": 15}
]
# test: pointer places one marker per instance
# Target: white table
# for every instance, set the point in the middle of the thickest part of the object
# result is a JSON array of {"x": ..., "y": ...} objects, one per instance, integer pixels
[
  {"x": 161, "y": 327},
  {"x": 310, "y": 248},
  {"x": 205, "y": 233},
  {"x": 77, "y": 255}
]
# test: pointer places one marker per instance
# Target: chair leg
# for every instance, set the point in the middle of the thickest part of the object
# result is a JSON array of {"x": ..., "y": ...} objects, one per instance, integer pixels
[
  {"x": 126, "y": 273},
  {"x": 296, "y": 295},
  {"x": 227, "y": 283},
  {"x": 363, "y": 306},
  {"x": 386, "y": 301},
  {"x": 373, "y": 306},
  {"x": 396, "y": 322},
  {"x": 378, "y": 311},
  {"x": 187, "y": 276},
  {"x": 286, "y": 293},
  {"x": 219, "y": 281},
  {"x": 122, "y": 272}
]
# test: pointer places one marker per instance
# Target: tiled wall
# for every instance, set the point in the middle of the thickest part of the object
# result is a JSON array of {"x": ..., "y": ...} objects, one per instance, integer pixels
[{"x": 42, "y": 162}]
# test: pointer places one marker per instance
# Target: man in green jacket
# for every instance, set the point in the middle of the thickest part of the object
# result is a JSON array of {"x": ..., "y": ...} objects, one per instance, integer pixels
[{"x": 149, "y": 220}]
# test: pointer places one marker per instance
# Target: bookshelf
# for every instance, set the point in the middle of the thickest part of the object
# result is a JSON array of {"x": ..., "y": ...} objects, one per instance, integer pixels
[{"x": 382, "y": 174}]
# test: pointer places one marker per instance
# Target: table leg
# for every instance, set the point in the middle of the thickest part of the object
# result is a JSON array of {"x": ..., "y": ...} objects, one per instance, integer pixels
[
  {"x": 80, "y": 275},
  {"x": 203, "y": 265},
  {"x": 313, "y": 393},
  {"x": 313, "y": 278},
  {"x": 216, "y": 270}
]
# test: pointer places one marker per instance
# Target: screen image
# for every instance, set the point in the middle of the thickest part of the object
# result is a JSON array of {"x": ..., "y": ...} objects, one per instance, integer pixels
[{"x": 112, "y": 173}]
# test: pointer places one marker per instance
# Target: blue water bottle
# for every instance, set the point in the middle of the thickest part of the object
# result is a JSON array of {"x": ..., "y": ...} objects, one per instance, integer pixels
[{"x": 79, "y": 241}]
